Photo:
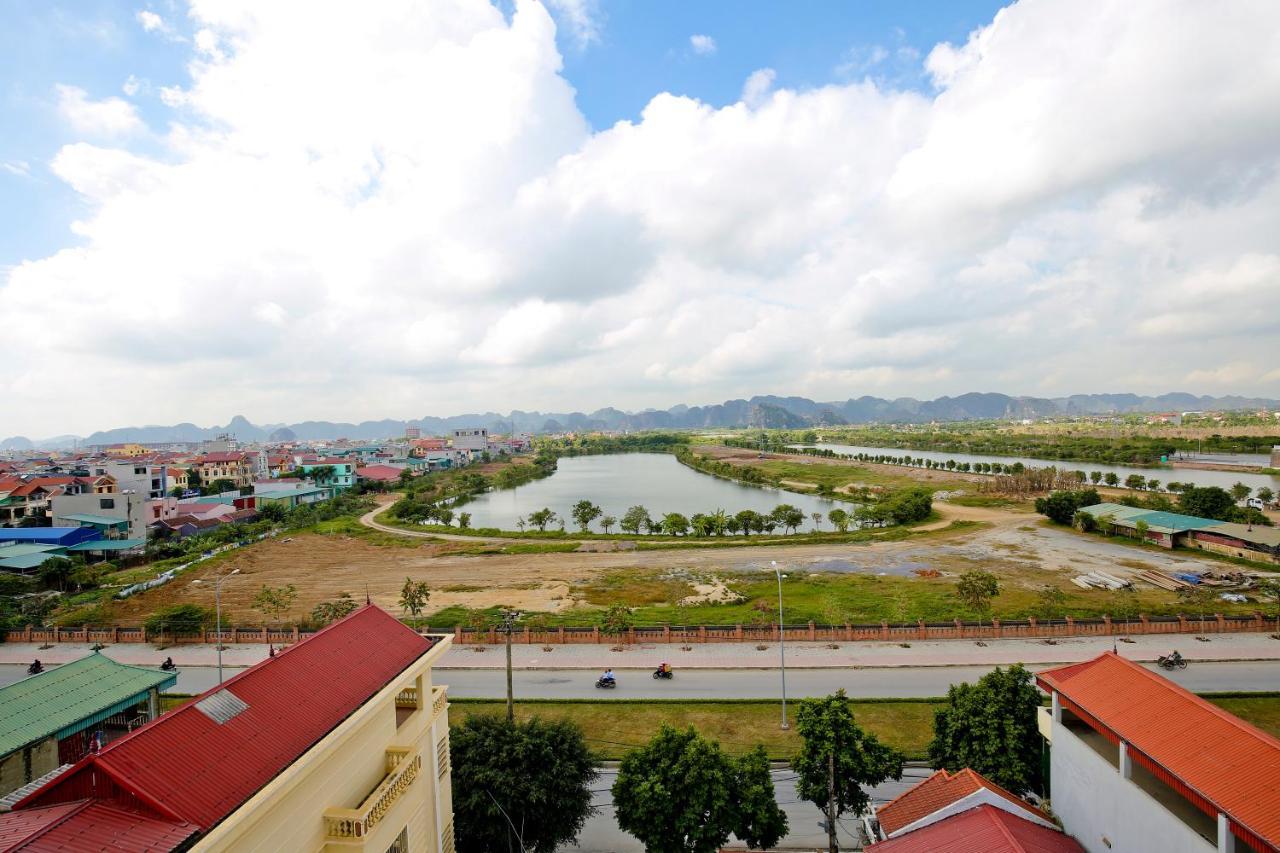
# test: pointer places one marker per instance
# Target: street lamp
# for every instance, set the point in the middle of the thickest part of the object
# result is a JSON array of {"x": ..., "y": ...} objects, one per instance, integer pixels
[
  {"x": 782, "y": 642},
  {"x": 217, "y": 598}
]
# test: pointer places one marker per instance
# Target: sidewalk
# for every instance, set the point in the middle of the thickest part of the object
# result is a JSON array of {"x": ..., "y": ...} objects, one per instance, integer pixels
[{"x": 1221, "y": 647}]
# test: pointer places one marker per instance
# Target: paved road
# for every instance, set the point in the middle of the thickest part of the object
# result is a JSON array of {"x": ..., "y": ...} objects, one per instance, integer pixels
[
  {"x": 896, "y": 681},
  {"x": 191, "y": 679},
  {"x": 601, "y": 834}
]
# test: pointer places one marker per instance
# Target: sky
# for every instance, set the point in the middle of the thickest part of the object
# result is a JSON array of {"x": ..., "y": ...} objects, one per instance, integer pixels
[{"x": 298, "y": 211}]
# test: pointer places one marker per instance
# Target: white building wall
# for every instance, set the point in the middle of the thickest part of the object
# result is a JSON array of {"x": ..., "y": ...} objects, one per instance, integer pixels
[{"x": 1095, "y": 803}]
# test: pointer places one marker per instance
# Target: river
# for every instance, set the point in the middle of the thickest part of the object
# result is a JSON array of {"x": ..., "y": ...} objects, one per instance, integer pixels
[
  {"x": 618, "y": 481},
  {"x": 1165, "y": 475}
]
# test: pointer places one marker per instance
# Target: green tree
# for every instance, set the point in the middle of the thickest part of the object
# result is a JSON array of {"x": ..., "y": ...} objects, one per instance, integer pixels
[
  {"x": 55, "y": 572},
  {"x": 272, "y": 512},
  {"x": 1153, "y": 485},
  {"x": 634, "y": 519},
  {"x": 540, "y": 518},
  {"x": 414, "y": 596},
  {"x": 991, "y": 727},
  {"x": 179, "y": 619},
  {"x": 331, "y": 611},
  {"x": 817, "y": 520},
  {"x": 584, "y": 512},
  {"x": 750, "y": 521},
  {"x": 519, "y": 786},
  {"x": 464, "y": 520},
  {"x": 1095, "y": 477},
  {"x": 1266, "y": 495},
  {"x": 1240, "y": 491},
  {"x": 839, "y": 519},
  {"x": 274, "y": 601},
  {"x": 616, "y": 621},
  {"x": 976, "y": 588},
  {"x": 834, "y": 745},
  {"x": 907, "y": 505},
  {"x": 675, "y": 524},
  {"x": 1270, "y": 588},
  {"x": 1061, "y": 506},
  {"x": 787, "y": 517},
  {"x": 1135, "y": 481},
  {"x": 221, "y": 485},
  {"x": 607, "y": 522},
  {"x": 193, "y": 479},
  {"x": 1112, "y": 479},
  {"x": 680, "y": 793},
  {"x": 1207, "y": 502}
]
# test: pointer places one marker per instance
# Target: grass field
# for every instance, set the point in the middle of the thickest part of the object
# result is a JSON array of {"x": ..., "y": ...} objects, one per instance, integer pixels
[{"x": 612, "y": 728}]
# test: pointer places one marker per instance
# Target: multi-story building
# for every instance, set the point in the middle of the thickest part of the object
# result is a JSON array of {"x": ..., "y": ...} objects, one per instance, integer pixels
[
  {"x": 133, "y": 475},
  {"x": 1138, "y": 763},
  {"x": 235, "y": 466},
  {"x": 338, "y": 743},
  {"x": 119, "y": 515},
  {"x": 475, "y": 439},
  {"x": 332, "y": 472}
]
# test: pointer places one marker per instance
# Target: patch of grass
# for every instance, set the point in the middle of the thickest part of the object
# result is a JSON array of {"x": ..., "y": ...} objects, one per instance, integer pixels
[
  {"x": 836, "y": 475},
  {"x": 612, "y": 728},
  {"x": 991, "y": 502},
  {"x": 349, "y": 526},
  {"x": 1260, "y": 711},
  {"x": 519, "y": 548}
]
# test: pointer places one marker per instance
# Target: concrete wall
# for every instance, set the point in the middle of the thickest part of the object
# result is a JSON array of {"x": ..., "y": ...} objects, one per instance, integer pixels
[
  {"x": 131, "y": 507},
  {"x": 1231, "y": 551},
  {"x": 22, "y": 766},
  {"x": 340, "y": 772},
  {"x": 1097, "y": 805}
]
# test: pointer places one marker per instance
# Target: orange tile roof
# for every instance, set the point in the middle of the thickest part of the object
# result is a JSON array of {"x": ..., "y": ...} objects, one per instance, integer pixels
[
  {"x": 939, "y": 791},
  {"x": 1220, "y": 762},
  {"x": 985, "y": 829}
]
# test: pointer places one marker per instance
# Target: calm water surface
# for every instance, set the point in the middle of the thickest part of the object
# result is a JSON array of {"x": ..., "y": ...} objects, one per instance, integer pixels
[
  {"x": 616, "y": 482},
  {"x": 1165, "y": 475}
]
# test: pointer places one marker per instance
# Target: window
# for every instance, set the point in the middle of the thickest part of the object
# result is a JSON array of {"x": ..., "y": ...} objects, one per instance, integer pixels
[
  {"x": 401, "y": 844},
  {"x": 106, "y": 503}
]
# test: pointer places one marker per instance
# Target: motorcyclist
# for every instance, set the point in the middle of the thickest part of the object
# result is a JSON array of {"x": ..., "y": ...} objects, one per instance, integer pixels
[
  {"x": 1175, "y": 657},
  {"x": 36, "y": 667},
  {"x": 608, "y": 676},
  {"x": 664, "y": 668},
  {"x": 167, "y": 665}
]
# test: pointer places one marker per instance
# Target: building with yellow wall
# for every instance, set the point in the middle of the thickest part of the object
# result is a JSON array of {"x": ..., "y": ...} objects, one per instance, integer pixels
[{"x": 339, "y": 743}]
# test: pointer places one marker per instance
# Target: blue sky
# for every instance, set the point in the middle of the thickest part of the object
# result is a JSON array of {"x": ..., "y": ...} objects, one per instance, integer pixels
[{"x": 639, "y": 49}]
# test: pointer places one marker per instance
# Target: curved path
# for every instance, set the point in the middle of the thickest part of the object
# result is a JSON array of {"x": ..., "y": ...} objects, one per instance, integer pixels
[{"x": 368, "y": 520}]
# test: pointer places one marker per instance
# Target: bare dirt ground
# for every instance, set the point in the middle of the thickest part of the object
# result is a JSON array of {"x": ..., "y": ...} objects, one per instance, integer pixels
[{"x": 1014, "y": 544}]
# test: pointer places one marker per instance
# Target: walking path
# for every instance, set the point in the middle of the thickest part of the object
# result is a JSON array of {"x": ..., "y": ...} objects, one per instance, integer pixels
[{"x": 1221, "y": 647}]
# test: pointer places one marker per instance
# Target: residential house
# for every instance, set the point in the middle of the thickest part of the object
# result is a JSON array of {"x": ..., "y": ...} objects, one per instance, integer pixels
[
  {"x": 987, "y": 828},
  {"x": 475, "y": 439},
  {"x": 51, "y": 719},
  {"x": 946, "y": 794},
  {"x": 331, "y": 471},
  {"x": 236, "y": 466},
  {"x": 1138, "y": 763},
  {"x": 121, "y": 515},
  {"x": 338, "y": 743},
  {"x": 380, "y": 473}
]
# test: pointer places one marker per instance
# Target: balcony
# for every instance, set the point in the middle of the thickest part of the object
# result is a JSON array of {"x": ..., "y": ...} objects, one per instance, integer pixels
[{"x": 403, "y": 767}]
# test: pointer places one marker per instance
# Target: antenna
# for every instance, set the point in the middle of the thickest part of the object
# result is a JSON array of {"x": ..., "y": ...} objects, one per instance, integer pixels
[{"x": 367, "y": 600}]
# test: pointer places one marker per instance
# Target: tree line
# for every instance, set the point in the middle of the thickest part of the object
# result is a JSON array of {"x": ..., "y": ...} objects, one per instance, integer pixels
[{"x": 528, "y": 784}]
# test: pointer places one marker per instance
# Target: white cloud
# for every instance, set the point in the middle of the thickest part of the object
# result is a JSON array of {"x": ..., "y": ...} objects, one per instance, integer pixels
[
  {"x": 151, "y": 22},
  {"x": 308, "y": 242},
  {"x": 108, "y": 117},
  {"x": 703, "y": 45},
  {"x": 581, "y": 18},
  {"x": 757, "y": 86},
  {"x": 21, "y": 168}
]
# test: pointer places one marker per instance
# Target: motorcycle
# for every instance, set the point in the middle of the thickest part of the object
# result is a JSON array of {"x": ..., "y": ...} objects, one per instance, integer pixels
[
  {"x": 664, "y": 673},
  {"x": 606, "y": 683},
  {"x": 1170, "y": 662},
  {"x": 168, "y": 665},
  {"x": 36, "y": 668}
]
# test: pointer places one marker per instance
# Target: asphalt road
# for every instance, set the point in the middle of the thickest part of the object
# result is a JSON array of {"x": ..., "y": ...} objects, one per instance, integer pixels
[
  {"x": 749, "y": 684},
  {"x": 191, "y": 679},
  {"x": 602, "y": 835}
]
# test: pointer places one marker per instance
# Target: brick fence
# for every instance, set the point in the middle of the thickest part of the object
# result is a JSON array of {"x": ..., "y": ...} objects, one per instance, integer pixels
[{"x": 686, "y": 635}]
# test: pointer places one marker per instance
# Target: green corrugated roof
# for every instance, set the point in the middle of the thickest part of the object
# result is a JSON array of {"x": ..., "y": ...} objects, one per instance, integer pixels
[
  {"x": 21, "y": 549},
  {"x": 108, "y": 545},
  {"x": 86, "y": 518},
  {"x": 72, "y": 697},
  {"x": 1178, "y": 522},
  {"x": 25, "y": 561},
  {"x": 1116, "y": 511}
]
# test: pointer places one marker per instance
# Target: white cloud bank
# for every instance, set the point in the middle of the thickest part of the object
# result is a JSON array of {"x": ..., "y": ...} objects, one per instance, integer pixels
[
  {"x": 422, "y": 222},
  {"x": 703, "y": 45}
]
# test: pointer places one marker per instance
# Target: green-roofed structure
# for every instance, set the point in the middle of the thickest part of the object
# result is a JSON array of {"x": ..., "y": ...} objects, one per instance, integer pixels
[
  {"x": 51, "y": 719},
  {"x": 1167, "y": 529}
]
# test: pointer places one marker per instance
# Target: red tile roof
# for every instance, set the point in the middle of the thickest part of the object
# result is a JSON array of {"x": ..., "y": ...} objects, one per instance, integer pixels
[
  {"x": 88, "y": 826},
  {"x": 219, "y": 457},
  {"x": 1220, "y": 762},
  {"x": 379, "y": 472},
  {"x": 186, "y": 766},
  {"x": 985, "y": 829},
  {"x": 939, "y": 791}
]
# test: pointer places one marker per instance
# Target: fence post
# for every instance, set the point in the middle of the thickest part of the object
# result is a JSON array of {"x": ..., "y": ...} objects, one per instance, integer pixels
[
  {"x": 924, "y": 633},
  {"x": 562, "y": 635},
  {"x": 1182, "y": 623},
  {"x": 1222, "y": 623},
  {"x": 848, "y": 632},
  {"x": 1032, "y": 626},
  {"x": 812, "y": 633},
  {"x": 1071, "y": 626},
  {"x": 115, "y": 633},
  {"x": 57, "y": 634},
  {"x": 737, "y": 633},
  {"x": 884, "y": 630},
  {"x": 959, "y": 629},
  {"x": 295, "y": 633},
  {"x": 702, "y": 633},
  {"x": 666, "y": 633},
  {"x": 595, "y": 633},
  {"x": 1106, "y": 620},
  {"x": 995, "y": 625}
]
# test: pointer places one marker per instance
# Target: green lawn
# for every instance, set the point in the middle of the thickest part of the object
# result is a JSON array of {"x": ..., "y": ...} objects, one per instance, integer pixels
[
  {"x": 614, "y": 727},
  {"x": 1261, "y": 711}
]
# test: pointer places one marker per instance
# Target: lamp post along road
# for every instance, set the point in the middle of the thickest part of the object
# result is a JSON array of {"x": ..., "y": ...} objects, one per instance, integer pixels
[
  {"x": 217, "y": 601},
  {"x": 782, "y": 642}
]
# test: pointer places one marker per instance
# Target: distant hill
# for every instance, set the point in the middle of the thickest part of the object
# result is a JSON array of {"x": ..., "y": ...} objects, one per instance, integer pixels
[{"x": 763, "y": 411}]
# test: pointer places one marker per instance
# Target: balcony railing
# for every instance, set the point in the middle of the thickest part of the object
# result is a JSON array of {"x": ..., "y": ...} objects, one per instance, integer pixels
[
  {"x": 407, "y": 698},
  {"x": 403, "y": 766},
  {"x": 439, "y": 701}
]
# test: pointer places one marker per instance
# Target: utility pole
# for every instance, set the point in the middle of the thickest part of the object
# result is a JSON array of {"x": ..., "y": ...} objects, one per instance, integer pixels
[
  {"x": 782, "y": 643},
  {"x": 833, "y": 845},
  {"x": 217, "y": 598},
  {"x": 509, "y": 618}
]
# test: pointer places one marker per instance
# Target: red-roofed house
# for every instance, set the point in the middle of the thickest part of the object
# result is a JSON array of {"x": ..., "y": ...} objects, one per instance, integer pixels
[
  {"x": 1139, "y": 763},
  {"x": 338, "y": 742},
  {"x": 240, "y": 468},
  {"x": 982, "y": 829},
  {"x": 379, "y": 473},
  {"x": 945, "y": 794}
]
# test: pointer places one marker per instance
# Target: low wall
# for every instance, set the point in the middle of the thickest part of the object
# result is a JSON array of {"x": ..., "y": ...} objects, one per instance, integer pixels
[{"x": 691, "y": 634}]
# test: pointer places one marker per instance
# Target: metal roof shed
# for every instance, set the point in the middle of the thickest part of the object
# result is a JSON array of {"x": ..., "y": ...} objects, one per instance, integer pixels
[{"x": 71, "y": 698}]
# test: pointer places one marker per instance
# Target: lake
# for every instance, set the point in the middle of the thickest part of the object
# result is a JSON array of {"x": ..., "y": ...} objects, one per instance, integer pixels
[
  {"x": 616, "y": 482},
  {"x": 1224, "y": 479}
]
